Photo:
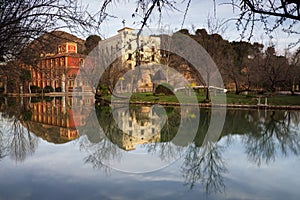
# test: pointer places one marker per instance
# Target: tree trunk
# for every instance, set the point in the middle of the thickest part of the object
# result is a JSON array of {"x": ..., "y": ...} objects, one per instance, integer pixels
[{"x": 236, "y": 87}]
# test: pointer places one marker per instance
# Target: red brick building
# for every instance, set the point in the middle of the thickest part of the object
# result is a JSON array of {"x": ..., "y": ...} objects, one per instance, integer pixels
[{"x": 58, "y": 70}]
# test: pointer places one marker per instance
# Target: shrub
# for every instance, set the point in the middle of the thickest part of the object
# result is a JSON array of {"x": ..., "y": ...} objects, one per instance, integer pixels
[
  {"x": 164, "y": 88},
  {"x": 48, "y": 89},
  {"x": 26, "y": 115},
  {"x": 58, "y": 89},
  {"x": 48, "y": 99},
  {"x": 102, "y": 90},
  {"x": 36, "y": 99},
  {"x": 35, "y": 89}
]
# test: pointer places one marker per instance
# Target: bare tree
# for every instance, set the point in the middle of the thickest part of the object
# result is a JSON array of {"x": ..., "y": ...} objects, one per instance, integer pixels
[
  {"x": 272, "y": 14},
  {"x": 275, "y": 70},
  {"x": 112, "y": 75},
  {"x": 275, "y": 14},
  {"x": 23, "y": 21},
  {"x": 288, "y": 9}
]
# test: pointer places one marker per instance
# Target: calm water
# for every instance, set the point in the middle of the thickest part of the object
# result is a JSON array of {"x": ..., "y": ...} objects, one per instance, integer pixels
[{"x": 51, "y": 149}]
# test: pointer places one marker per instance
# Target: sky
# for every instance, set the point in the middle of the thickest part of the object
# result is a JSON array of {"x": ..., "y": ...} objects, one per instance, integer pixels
[{"x": 171, "y": 20}]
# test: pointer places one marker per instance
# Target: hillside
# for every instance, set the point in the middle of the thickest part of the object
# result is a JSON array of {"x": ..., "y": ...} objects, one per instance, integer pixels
[{"x": 47, "y": 44}]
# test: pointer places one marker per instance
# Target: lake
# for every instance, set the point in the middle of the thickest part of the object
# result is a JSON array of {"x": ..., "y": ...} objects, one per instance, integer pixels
[{"x": 69, "y": 148}]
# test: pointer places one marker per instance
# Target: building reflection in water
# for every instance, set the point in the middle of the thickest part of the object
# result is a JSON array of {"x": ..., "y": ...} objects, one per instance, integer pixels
[
  {"x": 54, "y": 119},
  {"x": 139, "y": 127}
]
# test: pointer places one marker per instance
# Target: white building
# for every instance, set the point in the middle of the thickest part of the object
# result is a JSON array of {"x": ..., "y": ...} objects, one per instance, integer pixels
[{"x": 126, "y": 45}]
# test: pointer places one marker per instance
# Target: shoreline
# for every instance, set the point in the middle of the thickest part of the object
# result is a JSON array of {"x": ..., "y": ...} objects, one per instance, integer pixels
[
  {"x": 51, "y": 94},
  {"x": 209, "y": 105},
  {"x": 201, "y": 105}
]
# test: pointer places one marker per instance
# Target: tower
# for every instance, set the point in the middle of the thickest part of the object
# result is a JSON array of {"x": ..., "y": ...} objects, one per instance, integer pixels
[{"x": 68, "y": 47}]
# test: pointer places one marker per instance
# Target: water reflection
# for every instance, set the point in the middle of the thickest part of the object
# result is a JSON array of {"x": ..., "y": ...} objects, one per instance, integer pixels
[
  {"x": 18, "y": 142},
  {"x": 265, "y": 135},
  {"x": 31, "y": 118},
  {"x": 275, "y": 134},
  {"x": 205, "y": 165},
  {"x": 54, "y": 119}
]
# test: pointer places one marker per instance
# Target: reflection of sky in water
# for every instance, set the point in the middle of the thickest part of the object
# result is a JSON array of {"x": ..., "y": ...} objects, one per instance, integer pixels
[
  {"x": 140, "y": 149},
  {"x": 59, "y": 172},
  {"x": 246, "y": 180}
]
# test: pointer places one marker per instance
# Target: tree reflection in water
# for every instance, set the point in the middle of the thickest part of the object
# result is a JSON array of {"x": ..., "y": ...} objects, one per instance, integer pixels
[
  {"x": 205, "y": 165},
  {"x": 265, "y": 136},
  {"x": 273, "y": 135},
  {"x": 17, "y": 141},
  {"x": 96, "y": 142},
  {"x": 3, "y": 146},
  {"x": 100, "y": 154},
  {"x": 21, "y": 142},
  {"x": 202, "y": 162}
]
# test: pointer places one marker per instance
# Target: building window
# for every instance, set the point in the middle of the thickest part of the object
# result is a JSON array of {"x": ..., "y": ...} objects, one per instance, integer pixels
[
  {"x": 153, "y": 122},
  {"x": 152, "y": 58},
  {"x": 142, "y": 132},
  {"x": 129, "y": 56},
  {"x": 130, "y": 133},
  {"x": 153, "y": 130},
  {"x": 153, "y": 48},
  {"x": 129, "y": 46},
  {"x": 130, "y": 123}
]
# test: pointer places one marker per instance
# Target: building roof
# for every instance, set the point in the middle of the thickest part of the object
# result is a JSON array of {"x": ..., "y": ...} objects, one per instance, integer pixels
[
  {"x": 125, "y": 28},
  {"x": 75, "y": 55},
  {"x": 158, "y": 76}
]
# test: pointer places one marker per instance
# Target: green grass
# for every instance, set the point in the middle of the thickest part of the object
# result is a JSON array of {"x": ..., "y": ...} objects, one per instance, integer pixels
[
  {"x": 253, "y": 100},
  {"x": 150, "y": 97},
  {"x": 284, "y": 100},
  {"x": 231, "y": 99},
  {"x": 241, "y": 99}
]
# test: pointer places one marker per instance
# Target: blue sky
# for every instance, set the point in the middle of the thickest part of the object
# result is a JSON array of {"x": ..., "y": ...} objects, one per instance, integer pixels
[
  {"x": 197, "y": 16},
  {"x": 171, "y": 19}
]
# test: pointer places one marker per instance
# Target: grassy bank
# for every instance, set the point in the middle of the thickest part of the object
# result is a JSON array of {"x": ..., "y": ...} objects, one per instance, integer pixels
[{"x": 275, "y": 100}]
